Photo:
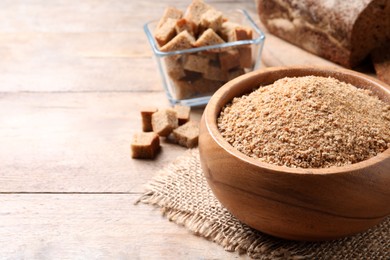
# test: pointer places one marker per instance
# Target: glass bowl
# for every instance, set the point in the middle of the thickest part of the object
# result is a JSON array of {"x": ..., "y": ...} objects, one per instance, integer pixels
[{"x": 191, "y": 76}]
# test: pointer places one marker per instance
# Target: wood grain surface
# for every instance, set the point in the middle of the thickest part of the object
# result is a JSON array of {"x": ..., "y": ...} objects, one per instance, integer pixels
[
  {"x": 94, "y": 226},
  {"x": 72, "y": 77}
]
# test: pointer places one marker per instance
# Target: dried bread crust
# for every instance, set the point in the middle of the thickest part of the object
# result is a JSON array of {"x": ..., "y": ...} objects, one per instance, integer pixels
[{"x": 343, "y": 31}]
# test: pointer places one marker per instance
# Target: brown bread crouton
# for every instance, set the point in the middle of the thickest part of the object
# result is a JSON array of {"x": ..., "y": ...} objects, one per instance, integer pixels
[
  {"x": 187, "y": 135},
  {"x": 183, "y": 40},
  {"x": 208, "y": 37},
  {"x": 164, "y": 121},
  {"x": 170, "y": 12},
  {"x": 211, "y": 19},
  {"x": 182, "y": 113},
  {"x": 183, "y": 89},
  {"x": 229, "y": 59},
  {"x": 234, "y": 73},
  {"x": 145, "y": 145},
  {"x": 232, "y": 32},
  {"x": 245, "y": 56},
  {"x": 166, "y": 32},
  {"x": 146, "y": 115},
  {"x": 195, "y": 10},
  {"x": 196, "y": 63},
  {"x": 185, "y": 25},
  {"x": 174, "y": 67},
  {"x": 214, "y": 72}
]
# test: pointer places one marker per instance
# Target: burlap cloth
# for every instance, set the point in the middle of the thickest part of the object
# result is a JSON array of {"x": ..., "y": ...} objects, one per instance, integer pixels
[{"x": 182, "y": 193}]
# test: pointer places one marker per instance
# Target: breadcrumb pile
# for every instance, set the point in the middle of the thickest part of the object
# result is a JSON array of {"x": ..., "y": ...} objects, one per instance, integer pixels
[{"x": 307, "y": 122}]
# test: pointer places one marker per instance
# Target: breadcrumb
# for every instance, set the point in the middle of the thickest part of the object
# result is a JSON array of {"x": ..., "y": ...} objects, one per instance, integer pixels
[{"x": 307, "y": 122}]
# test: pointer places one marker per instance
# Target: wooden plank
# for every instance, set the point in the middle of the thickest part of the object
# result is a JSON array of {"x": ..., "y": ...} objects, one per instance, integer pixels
[
  {"x": 82, "y": 45},
  {"x": 92, "y": 15},
  {"x": 76, "y": 62},
  {"x": 278, "y": 52},
  {"x": 80, "y": 226},
  {"x": 81, "y": 75},
  {"x": 76, "y": 142}
]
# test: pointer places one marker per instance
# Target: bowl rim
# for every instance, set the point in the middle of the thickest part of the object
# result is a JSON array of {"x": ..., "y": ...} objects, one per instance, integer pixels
[
  {"x": 212, "y": 111},
  {"x": 257, "y": 40}
]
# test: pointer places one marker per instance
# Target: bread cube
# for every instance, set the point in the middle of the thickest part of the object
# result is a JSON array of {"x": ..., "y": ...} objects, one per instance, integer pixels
[
  {"x": 195, "y": 63},
  {"x": 169, "y": 12},
  {"x": 182, "y": 113},
  {"x": 229, "y": 59},
  {"x": 145, "y": 145},
  {"x": 234, "y": 73},
  {"x": 245, "y": 56},
  {"x": 185, "y": 88},
  {"x": 166, "y": 32},
  {"x": 185, "y": 25},
  {"x": 234, "y": 32},
  {"x": 146, "y": 115},
  {"x": 174, "y": 67},
  {"x": 211, "y": 19},
  {"x": 204, "y": 86},
  {"x": 200, "y": 86},
  {"x": 164, "y": 121},
  {"x": 183, "y": 40},
  {"x": 227, "y": 31},
  {"x": 195, "y": 10},
  {"x": 208, "y": 37},
  {"x": 243, "y": 33},
  {"x": 212, "y": 56},
  {"x": 187, "y": 135},
  {"x": 214, "y": 72}
]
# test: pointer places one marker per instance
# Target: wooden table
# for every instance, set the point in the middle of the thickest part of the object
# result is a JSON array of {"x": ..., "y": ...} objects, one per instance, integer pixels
[{"x": 73, "y": 75}]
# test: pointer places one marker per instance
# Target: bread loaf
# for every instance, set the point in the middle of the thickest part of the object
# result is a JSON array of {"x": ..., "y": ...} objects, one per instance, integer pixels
[
  {"x": 381, "y": 59},
  {"x": 343, "y": 31}
]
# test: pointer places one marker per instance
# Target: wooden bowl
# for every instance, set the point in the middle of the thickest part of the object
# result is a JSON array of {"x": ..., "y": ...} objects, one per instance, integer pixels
[{"x": 294, "y": 203}]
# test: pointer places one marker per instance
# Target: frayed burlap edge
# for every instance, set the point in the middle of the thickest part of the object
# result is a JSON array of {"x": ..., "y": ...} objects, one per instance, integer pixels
[{"x": 244, "y": 241}]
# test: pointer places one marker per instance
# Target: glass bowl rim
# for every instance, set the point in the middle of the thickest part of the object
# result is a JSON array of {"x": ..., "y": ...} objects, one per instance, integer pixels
[{"x": 258, "y": 40}]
